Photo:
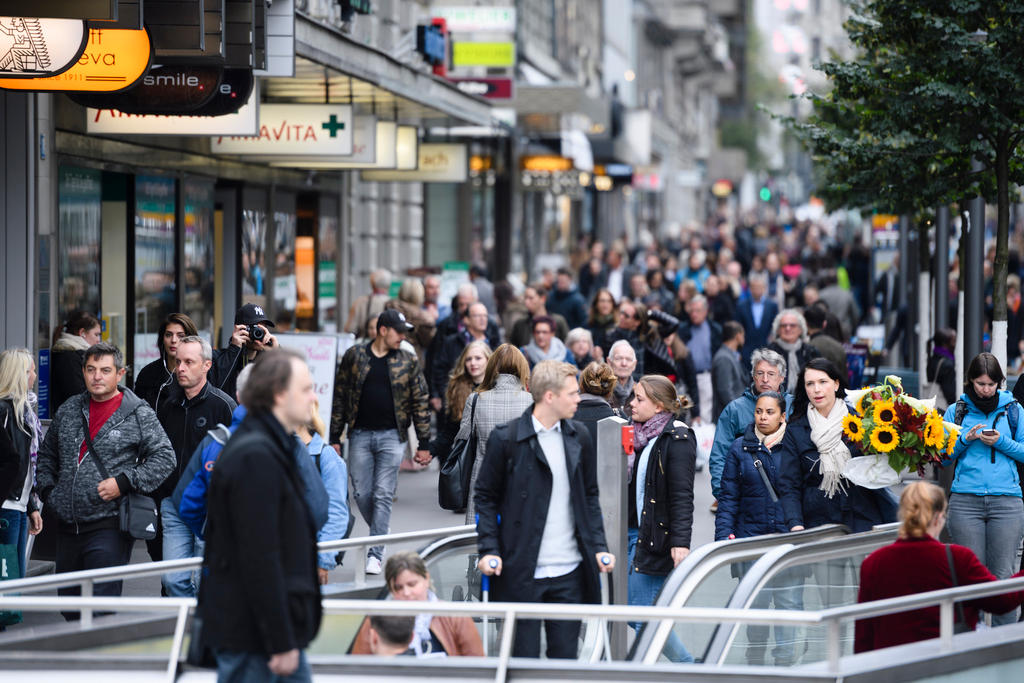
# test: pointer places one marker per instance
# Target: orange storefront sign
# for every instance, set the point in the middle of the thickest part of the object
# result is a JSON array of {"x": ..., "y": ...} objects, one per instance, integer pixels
[{"x": 113, "y": 60}]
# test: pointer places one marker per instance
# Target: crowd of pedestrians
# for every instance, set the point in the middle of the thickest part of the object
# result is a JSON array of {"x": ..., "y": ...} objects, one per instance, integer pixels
[{"x": 739, "y": 334}]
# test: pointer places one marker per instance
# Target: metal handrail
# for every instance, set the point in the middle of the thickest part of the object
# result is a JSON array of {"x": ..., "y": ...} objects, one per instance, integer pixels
[
  {"x": 833, "y": 618},
  {"x": 86, "y": 579}
]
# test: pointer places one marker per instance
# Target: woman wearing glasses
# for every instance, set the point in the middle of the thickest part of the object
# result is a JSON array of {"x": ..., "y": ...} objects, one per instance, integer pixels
[{"x": 789, "y": 339}]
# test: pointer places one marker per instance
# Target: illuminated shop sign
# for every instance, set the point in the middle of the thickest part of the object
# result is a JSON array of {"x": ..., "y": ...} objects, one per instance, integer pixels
[
  {"x": 483, "y": 54},
  {"x": 169, "y": 89},
  {"x": 30, "y": 48},
  {"x": 430, "y": 42},
  {"x": 295, "y": 129},
  {"x": 491, "y": 88},
  {"x": 477, "y": 19},
  {"x": 437, "y": 163}
]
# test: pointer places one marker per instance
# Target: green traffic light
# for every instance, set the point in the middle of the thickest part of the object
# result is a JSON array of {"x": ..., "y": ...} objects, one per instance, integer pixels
[{"x": 765, "y": 194}]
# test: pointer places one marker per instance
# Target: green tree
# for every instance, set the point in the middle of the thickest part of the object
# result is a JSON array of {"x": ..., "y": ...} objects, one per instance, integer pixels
[{"x": 935, "y": 83}]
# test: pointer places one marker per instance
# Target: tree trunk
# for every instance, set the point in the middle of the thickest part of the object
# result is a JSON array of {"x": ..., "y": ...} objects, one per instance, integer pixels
[
  {"x": 999, "y": 268},
  {"x": 961, "y": 364},
  {"x": 924, "y": 307}
]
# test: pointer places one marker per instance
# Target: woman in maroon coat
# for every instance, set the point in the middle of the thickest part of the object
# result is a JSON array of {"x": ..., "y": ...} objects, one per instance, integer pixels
[{"x": 917, "y": 563}]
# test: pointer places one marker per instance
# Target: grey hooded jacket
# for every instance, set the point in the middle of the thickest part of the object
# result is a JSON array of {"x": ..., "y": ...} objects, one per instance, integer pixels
[{"x": 131, "y": 434}]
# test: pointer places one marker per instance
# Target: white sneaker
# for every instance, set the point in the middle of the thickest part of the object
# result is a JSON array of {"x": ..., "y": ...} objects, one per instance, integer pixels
[{"x": 372, "y": 565}]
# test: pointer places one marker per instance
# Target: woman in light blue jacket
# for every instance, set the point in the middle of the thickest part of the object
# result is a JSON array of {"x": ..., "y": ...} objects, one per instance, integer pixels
[{"x": 986, "y": 512}]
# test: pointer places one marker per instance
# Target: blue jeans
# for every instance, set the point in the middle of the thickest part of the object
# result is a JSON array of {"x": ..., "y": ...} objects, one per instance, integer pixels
[
  {"x": 643, "y": 590},
  {"x": 15, "y": 532},
  {"x": 251, "y": 667},
  {"x": 179, "y": 543},
  {"x": 374, "y": 457},
  {"x": 991, "y": 526}
]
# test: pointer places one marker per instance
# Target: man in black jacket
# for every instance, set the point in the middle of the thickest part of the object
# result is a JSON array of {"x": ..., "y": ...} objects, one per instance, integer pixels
[
  {"x": 539, "y": 476},
  {"x": 260, "y": 599},
  {"x": 192, "y": 407},
  {"x": 243, "y": 349}
]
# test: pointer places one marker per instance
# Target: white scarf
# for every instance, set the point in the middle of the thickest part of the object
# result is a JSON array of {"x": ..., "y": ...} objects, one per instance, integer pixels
[{"x": 827, "y": 435}]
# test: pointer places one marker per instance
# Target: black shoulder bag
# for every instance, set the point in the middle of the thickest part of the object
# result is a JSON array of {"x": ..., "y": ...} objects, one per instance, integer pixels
[
  {"x": 960, "y": 625},
  {"x": 138, "y": 514},
  {"x": 454, "y": 479},
  {"x": 759, "y": 466}
]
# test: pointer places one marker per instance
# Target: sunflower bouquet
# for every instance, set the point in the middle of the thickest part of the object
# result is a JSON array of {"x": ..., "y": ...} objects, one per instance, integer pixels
[{"x": 902, "y": 432}]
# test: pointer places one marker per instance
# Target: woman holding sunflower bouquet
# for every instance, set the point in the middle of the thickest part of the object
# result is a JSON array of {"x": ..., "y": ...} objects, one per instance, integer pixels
[
  {"x": 815, "y": 452},
  {"x": 986, "y": 513}
]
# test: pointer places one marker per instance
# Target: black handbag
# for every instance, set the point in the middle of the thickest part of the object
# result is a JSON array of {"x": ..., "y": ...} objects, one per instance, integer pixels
[
  {"x": 138, "y": 514},
  {"x": 960, "y": 624},
  {"x": 453, "y": 481}
]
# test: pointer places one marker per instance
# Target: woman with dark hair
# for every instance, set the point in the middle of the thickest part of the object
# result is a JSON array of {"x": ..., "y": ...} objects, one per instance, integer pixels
[
  {"x": 813, "y": 490},
  {"x": 465, "y": 377},
  {"x": 986, "y": 512},
  {"x": 941, "y": 370},
  {"x": 917, "y": 563},
  {"x": 661, "y": 471},
  {"x": 67, "y": 352},
  {"x": 502, "y": 396},
  {"x": 601, "y": 320},
  {"x": 153, "y": 380}
]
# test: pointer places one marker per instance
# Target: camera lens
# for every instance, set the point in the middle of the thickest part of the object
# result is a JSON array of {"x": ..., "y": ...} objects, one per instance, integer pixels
[{"x": 256, "y": 333}]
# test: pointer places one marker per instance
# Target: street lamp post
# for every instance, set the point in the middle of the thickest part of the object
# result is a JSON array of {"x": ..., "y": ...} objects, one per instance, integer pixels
[{"x": 974, "y": 273}]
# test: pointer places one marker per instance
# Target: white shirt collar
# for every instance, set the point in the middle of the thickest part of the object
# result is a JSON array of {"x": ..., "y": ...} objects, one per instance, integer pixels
[{"x": 539, "y": 428}]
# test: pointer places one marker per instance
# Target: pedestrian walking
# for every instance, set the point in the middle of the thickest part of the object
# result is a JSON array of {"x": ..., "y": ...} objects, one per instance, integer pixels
[
  {"x": 155, "y": 380},
  {"x": 501, "y": 397},
  {"x": 535, "y": 300},
  {"x": 465, "y": 378},
  {"x": 727, "y": 376},
  {"x": 250, "y": 337},
  {"x": 622, "y": 359},
  {"x": 539, "y": 476},
  {"x": 597, "y": 383},
  {"x": 378, "y": 393},
  {"x": 544, "y": 345},
  {"x": 580, "y": 347},
  {"x": 100, "y": 446},
  {"x": 19, "y": 447},
  {"x": 940, "y": 372},
  {"x": 601, "y": 320},
  {"x": 260, "y": 599},
  {"x": 660, "y": 515},
  {"x": 756, "y": 314},
  {"x": 566, "y": 300},
  {"x": 986, "y": 512},
  {"x": 67, "y": 352}
]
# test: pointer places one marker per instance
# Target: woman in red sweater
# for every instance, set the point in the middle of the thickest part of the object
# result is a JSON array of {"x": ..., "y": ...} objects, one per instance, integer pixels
[{"x": 917, "y": 563}]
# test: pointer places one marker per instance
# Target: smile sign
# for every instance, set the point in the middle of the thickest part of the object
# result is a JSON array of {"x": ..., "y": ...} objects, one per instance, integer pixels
[
  {"x": 295, "y": 129},
  {"x": 114, "y": 59}
]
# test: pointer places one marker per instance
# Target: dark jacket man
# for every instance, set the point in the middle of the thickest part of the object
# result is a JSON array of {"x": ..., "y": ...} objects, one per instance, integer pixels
[
  {"x": 131, "y": 443},
  {"x": 756, "y": 335},
  {"x": 685, "y": 332},
  {"x": 728, "y": 381},
  {"x": 515, "y": 483},
  {"x": 569, "y": 304},
  {"x": 257, "y": 512}
]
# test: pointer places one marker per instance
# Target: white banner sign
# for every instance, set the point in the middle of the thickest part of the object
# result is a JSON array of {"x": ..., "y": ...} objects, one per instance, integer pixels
[
  {"x": 321, "y": 353},
  {"x": 243, "y": 122},
  {"x": 438, "y": 163},
  {"x": 294, "y": 129},
  {"x": 473, "y": 19}
]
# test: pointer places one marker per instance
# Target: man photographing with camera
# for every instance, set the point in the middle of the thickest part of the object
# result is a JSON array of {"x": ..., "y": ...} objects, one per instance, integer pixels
[{"x": 251, "y": 337}]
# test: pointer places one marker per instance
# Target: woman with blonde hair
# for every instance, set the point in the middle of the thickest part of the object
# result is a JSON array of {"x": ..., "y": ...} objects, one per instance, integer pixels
[
  {"x": 334, "y": 474},
  {"x": 19, "y": 446},
  {"x": 502, "y": 396},
  {"x": 917, "y": 563},
  {"x": 466, "y": 376},
  {"x": 407, "y": 578}
]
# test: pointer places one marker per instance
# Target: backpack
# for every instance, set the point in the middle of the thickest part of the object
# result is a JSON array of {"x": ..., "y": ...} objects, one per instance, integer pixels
[{"x": 931, "y": 387}]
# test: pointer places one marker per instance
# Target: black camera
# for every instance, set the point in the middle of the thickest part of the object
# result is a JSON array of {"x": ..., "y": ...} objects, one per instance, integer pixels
[{"x": 256, "y": 333}]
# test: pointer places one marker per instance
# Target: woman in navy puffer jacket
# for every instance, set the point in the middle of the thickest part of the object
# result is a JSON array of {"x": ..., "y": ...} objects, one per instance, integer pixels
[{"x": 748, "y": 505}]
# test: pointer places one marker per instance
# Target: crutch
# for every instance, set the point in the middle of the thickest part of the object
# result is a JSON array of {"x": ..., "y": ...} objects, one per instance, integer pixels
[
  {"x": 605, "y": 600},
  {"x": 485, "y": 597}
]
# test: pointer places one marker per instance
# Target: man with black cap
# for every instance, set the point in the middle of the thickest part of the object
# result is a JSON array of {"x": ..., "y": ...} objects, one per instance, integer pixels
[
  {"x": 250, "y": 338},
  {"x": 379, "y": 391}
]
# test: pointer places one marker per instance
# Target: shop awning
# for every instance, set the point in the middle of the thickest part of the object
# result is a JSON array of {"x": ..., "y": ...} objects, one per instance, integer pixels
[{"x": 331, "y": 67}]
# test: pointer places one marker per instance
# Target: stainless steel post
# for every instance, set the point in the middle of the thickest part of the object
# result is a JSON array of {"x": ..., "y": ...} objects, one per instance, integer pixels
[
  {"x": 941, "y": 269},
  {"x": 611, "y": 479},
  {"x": 974, "y": 276}
]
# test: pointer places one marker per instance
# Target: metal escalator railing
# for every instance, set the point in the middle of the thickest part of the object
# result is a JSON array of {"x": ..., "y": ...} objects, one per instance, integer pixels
[{"x": 831, "y": 619}]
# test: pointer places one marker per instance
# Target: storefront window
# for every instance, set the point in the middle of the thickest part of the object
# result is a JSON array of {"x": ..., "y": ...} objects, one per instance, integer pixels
[
  {"x": 155, "y": 293},
  {"x": 285, "y": 288},
  {"x": 78, "y": 269},
  {"x": 327, "y": 273},
  {"x": 254, "y": 245},
  {"x": 198, "y": 257}
]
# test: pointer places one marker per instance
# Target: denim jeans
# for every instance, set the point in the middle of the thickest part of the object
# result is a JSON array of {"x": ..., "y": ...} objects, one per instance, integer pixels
[
  {"x": 991, "y": 526},
  {"x": 92, "y": 550},
  {"x": 179, "y": 543},
  {"x": 15, "y": 532},
  {"x": 643, "y": 590},
  {"x": 251, "y": 667},
  {"x": 374, "y": 457}
]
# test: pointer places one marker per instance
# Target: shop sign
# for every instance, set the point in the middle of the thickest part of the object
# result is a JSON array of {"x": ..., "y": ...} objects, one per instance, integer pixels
[
  {"x": 103, "y": 10},
  {"x": 114, "y": 59},
  {"x": 295, "y": 129},
  {"x": 373, "y": 141},
  {"x": 491, "y": 88},
  {"x": 437, "y": 163},
  {"x": 546, "y": 163},
  {"x": 477, "y": 19},
  {"x": 30, "y": 48},
  {"x": 484, "y": 54},
  {"x": 245, "y": 121},
  {"x": 232, "y": 93},
  {"x": 430, "y": 42},
  {"x": 168, "y": 89}
]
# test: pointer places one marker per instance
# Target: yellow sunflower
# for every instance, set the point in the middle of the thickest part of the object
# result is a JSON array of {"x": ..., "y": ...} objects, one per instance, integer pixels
[
  {"x": 884, "y": 438},
  {"x": 934, "y": 434},
  {"x": 853, "y": 428},
  {"x": 953, "y": 436},
  {"x": 860, "y": 407},
  {"x": 884, "y": 412}
]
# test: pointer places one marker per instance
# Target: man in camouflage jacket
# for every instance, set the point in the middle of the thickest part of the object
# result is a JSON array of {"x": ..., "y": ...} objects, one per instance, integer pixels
[{"x": 378, "y": 392}]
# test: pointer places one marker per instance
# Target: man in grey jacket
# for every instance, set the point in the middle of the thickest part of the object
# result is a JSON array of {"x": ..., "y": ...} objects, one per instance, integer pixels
[{"x": 134, "y": 449}]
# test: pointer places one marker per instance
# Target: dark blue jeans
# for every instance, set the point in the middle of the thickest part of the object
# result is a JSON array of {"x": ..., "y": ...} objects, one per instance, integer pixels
[
  {"x": 92, "y": 550},
  {"x": 14, "y": 531},
  {"x": 251, "y": 667}
]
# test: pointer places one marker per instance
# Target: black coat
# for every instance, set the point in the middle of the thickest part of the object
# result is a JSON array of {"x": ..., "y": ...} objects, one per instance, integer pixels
[
  {"x": 589, "y": 411},
  {"x": 666, "y": 520},
  {"x": 66, "y": 378},
  {"x": 515, "y": 483},
  {"x": 745, "y": 507},
  {"x": 15, "y": 444},
  {"x": 259, "y": 592},
  {"x": 756, "y": 335},
  {"x": 153, "y": 382},
  {"x": 805, "y": 504},
  {"x": 187, "y": 421}
]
